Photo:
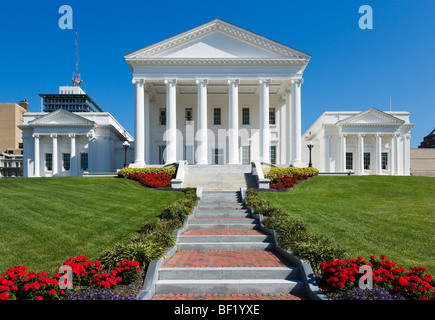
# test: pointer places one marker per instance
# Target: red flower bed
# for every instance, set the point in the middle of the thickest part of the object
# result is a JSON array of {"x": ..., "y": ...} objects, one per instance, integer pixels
[
  {"x": 19, "y": 284},
  {"x": 287, "y": 182},
  {"x": 343, "y": 275},
  {"x": 152, "y": 179}
]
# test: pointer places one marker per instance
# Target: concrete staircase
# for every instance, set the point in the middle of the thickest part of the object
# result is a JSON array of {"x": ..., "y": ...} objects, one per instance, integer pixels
[
  {"x": 224, "y": 252},
  {"x": 219, "y": 177}
]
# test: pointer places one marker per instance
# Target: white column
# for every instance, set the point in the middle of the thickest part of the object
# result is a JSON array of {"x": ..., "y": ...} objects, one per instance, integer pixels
[
  {"x": 91, "y": 139},
  {"x": 73, "y": 158},
  {"x": 361, "y": 154},
  {"x": 202, "y": 123},
  {"x": 407, "y": 155},
  {"x": 264, "y": 121},
  {"x": 37, "y": 156},
  {"x": 289, "y": 125},
  {"x": 282, "y": 131},
  {"x": 55, "y": 168},
  {"x": 139, "y": 123},
  {"x": 396, "y": 153},
  {"x": 343, "y": 152},
  {"x": 233, "y": 132},
  {"x": 328, "y": 153},
  {"x": 296, "y": 124},
  {"x": 378, "y": 153},
  {"x": 147, "y": 127},
  {"x": 171, "y": 125}
]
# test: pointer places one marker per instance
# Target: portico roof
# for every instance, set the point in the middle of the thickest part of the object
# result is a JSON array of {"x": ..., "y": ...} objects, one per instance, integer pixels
[{"x": 217, "y": 42}]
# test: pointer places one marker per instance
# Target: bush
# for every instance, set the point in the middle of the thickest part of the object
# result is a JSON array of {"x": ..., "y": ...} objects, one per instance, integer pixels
[
  {"x": 160, "y": 225},
  {"x": 273, "y": 172},
  {"x": 126, "y": 172},
  {"x": 293, "y": 234}
]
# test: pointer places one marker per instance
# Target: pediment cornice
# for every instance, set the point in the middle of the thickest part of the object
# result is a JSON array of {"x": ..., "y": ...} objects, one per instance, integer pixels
[{"x": 217, "y": 25}]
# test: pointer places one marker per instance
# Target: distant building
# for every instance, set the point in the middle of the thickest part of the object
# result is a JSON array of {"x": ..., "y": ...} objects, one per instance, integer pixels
[
  {"x": 11, "y": 165},
  {"x": 11, "y": 115},
  {"x": 72, "y": 99},
  {"x": 428, "y": 141}
]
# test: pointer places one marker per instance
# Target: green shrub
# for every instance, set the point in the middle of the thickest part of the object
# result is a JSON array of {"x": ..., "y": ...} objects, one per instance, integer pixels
[
  {"x": 160, "y": 225},
  {"x": 142, "y": 251},
  {"x": 273, "y": 172},
  {"x": 125, "y": 172},
  {"x": 293, "y": 234}
]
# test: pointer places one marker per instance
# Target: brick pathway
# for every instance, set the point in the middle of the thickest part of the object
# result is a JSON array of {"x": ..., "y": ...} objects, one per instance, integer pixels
[
  {"x": 225, "y": 258},
  {"x": 222, "y": 232}
]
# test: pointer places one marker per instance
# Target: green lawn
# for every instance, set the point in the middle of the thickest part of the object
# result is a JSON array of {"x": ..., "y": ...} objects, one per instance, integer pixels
[
  {"x": 44, "y": 221},
  {"x": 369, "y": 215}
]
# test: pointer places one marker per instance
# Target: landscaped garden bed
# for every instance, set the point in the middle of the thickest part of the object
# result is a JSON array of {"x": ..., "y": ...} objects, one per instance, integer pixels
[
  {"x": 119, "y": 271},
  {"x": 336, "y": 271}
]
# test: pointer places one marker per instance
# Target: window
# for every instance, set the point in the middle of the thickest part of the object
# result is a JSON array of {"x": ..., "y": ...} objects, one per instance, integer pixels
[
  {"x": 189, "y": 116},
  {"x": 162, "y": 117},
  {"x": 246, "y": 154},
  {"x": 48, "y": 162},
  {"x": 272, "y": 116},
  {"x": 349, "y": 160},
  {"x": 66, "y": 157},
  {"x": 384, "y": 159},
  {"x": 83, "y": 161},
  {"x": 218, "y": 156},
  {"x": 367, "y": 160},
  {"x": 245, "y": 115},
  {"x": 273, "y": 154},
  {"x": 162, "y": 154},
  {"x": 217, "y": 116}
]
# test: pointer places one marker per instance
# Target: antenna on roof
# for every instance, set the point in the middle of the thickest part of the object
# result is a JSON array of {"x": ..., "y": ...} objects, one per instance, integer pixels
[
  {"x": 390, "y": 103},
  {"x": 76, "y": 81}
]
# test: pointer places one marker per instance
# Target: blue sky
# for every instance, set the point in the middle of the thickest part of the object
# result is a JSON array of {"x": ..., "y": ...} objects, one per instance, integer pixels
[{"x": 350, "y": 68}]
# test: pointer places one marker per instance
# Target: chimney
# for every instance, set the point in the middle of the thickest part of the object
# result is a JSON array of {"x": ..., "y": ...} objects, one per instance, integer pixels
[{"x": 24, "y": 104}]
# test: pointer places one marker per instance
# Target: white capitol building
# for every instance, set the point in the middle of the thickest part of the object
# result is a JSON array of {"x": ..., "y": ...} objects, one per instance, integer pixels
[{"x": 216, "y": 95}]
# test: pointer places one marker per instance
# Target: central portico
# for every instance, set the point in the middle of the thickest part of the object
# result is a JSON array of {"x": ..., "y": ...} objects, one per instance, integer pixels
[{"x": 217, "y": 94}]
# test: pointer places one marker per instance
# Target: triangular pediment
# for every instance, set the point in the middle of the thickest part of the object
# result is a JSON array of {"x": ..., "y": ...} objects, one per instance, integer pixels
[
  {"x": 371, "y": 116},
  {"x": 217, "y": 40},
  {"x": 61, "y": 117}
]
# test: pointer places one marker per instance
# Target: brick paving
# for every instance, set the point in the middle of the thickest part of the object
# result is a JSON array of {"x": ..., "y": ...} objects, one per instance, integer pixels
[
  {"x": 225, "y": 258},
  {"x": 246, "y": 296},
  {"x": 223, "y": 232}
]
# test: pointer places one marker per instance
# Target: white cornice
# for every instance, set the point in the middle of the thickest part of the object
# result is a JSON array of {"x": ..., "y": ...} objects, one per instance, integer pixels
[
  {"x": 218, "y": 26},
  {"x": 166, "y": 61}
]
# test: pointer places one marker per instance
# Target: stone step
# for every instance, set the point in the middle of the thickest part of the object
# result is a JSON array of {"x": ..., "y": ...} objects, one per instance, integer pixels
[
  {"x": 223, "y": 214},
  {"x": 222, "y": 223},
  {"x": 224, "y": 238},
  {"x": 229, "y": 286},
  {"x": 226, "y": 246},
  {"x": 283, "y": 273}
]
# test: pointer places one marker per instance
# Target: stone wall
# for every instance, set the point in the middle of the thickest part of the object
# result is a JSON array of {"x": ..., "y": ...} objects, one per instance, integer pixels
[{"x": 423, "y": 162}]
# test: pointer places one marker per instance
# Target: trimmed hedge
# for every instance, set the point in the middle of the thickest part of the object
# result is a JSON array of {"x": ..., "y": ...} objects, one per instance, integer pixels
[
  {"x": 155, "y": 237},
  {"x": 126, "y": 172},
  {"x": 293, "y": 234},
  {"x": 273, "y": 172}
]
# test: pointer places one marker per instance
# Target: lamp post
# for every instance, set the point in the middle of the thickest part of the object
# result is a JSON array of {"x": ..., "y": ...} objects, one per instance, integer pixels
[
  {"x": 310, "y": 146},
  {"x": 125, "y": 145}
]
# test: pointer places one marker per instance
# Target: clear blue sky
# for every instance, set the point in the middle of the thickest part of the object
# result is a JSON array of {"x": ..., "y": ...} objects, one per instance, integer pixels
[{"x": 350, "y": 68}]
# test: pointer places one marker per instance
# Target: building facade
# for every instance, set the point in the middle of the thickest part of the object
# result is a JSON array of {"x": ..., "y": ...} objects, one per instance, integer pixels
[
  {"x": 217, "y": 94},
  {"x": 62, "y": 143},
  {"x": 367, "y": 142},
  {"x": 11, "y": 115}
]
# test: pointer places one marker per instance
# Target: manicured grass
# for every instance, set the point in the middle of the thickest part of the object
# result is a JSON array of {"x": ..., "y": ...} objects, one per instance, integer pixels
[
  {"x": 45, "y": 221},
  {"x": 369, "y": 215}
]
